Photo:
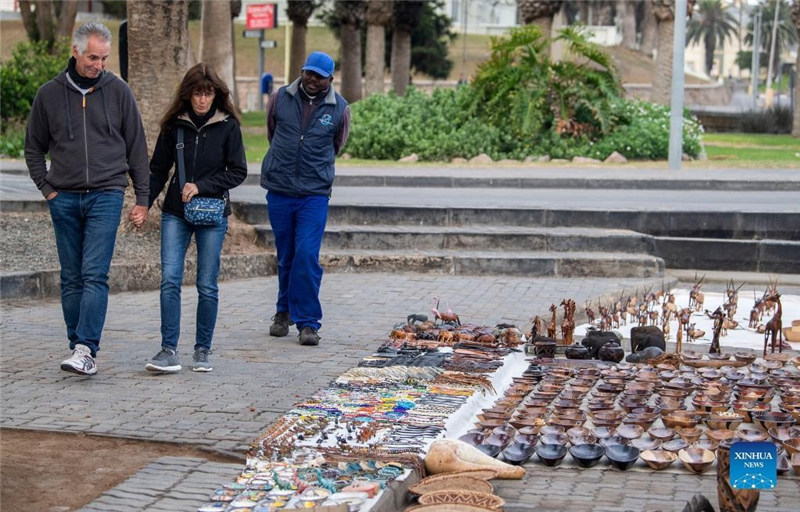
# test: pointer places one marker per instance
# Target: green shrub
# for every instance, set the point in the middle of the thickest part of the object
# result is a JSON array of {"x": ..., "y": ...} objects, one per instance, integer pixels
[
  {"x": 520, "y": 104},
  {"x": 29, "y": 67},
  {"x": 12, "y": 142},
  {"x": 772, "y": 120}
]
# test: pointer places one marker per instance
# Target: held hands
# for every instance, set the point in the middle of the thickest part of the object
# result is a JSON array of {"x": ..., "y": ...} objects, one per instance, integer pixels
[
  {"x": 138, "y": 215},
  {"x": 189, "y": 191}
]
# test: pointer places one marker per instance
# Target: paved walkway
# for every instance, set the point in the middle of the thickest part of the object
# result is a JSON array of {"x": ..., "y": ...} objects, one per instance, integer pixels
[{"x": 257, "y": 378}]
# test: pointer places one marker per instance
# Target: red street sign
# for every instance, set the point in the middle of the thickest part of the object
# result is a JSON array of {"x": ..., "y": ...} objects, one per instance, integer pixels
[{"x": 261, "y": 16}]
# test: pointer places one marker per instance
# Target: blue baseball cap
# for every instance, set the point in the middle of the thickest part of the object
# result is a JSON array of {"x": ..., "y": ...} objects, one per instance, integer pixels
[{"x": 320, "y": 63}]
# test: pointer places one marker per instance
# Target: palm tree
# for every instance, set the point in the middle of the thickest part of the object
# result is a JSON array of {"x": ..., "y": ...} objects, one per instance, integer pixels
[
  {"x": 647, "y": 45},
  {"x": 712, "y": 24},
  {"x": 664, "y": 12},
  {"x": 378, "y": 16},
  {"x": 787, "y": 32},
  {"x": 406, "y": 18},
  {"x": 539, "y": 12},
  {"x": 350, "y": 14},
  {"x": 298, "y": 11},
  {"x": 626, "y": 9},
  {"x": 48, "y": 21},
  {"x": 158, "y": 39},
  {"x": 216, "y": 40},
  {"x": 796, "y": 114}
]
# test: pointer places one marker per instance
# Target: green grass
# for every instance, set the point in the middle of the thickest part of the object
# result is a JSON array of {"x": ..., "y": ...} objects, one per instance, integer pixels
[{"x": 750, "y": 149}]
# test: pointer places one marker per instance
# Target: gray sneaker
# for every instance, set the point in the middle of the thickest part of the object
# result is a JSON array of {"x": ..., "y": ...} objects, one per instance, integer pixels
[
  {"x": 81, "y": 361},
  {"x": 165, "y": 361},
  {"x": 201, "y": 362},
  {"x": 308, "y": 336}
]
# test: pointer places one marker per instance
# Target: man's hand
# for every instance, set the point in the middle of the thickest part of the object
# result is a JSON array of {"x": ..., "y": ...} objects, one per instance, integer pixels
[
  {"x": 51, "y": 195},
  {"x": 189, "y": 191},
  {"x": 138, "y": 215}
]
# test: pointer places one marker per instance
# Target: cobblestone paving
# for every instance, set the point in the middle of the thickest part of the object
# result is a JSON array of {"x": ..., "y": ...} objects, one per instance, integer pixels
[{"x": 256, "y": 378}]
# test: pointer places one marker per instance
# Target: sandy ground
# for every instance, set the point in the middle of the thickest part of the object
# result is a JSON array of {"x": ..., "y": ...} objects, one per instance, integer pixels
[{"x": 43, "y": 470}]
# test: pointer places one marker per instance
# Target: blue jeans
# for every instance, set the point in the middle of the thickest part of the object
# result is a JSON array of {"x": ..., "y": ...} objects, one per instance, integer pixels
[
  {"x": 85, "y": 226},
  {"x": 298, "y": 224},
  {"x": 176, "y": 234}
]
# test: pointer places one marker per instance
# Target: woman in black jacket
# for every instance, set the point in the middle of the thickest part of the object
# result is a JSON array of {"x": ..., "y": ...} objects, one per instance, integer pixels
[{"x": 203, "y": 116}]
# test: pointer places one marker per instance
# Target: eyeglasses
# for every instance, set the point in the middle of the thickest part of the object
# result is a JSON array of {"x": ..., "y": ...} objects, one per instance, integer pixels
[{"x": 201, "y": 94}]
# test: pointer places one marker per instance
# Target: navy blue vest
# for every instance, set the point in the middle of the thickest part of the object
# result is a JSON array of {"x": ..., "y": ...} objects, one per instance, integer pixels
[{"x": 302, "y": 163}]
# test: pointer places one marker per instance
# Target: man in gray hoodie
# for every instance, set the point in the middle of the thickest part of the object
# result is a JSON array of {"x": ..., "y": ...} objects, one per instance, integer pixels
[{"x": 86, "y": 119}]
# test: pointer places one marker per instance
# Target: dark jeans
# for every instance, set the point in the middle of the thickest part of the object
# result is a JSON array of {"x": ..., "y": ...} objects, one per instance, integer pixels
[
  {"x": 298, "y": 224},
  {"x": 85, "y": 225},
  {"x": 176, "y": 234}
]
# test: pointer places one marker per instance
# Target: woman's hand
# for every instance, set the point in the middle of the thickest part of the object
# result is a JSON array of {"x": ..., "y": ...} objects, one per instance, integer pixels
[{"x": 189, "y": 191}]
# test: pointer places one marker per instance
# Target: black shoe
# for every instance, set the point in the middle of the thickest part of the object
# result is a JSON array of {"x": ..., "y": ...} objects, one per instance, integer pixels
[
  {"x": 280, "y": 325},
  {"x": 308, "y": 336}
]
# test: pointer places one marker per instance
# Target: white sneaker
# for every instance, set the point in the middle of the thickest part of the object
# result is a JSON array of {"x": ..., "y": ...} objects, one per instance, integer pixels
[{"x": 81, "y": 361}]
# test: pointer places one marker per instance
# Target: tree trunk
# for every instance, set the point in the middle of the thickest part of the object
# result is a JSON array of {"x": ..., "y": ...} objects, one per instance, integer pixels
[
  {"x": 28, "y": 20},
  {"x": 376, "y": 51},
  {"x": 216, "y": 41},
  {"x": 649, "y": 30},
  {"x": 378, "y": 14},
  {"x": 627, "y": 10},
  {"x": 45, "y": 21},
  {"x": 401, "y": 60},
  {"x": 662, "y": 82},
  {"x": 66, "y": 19},
  {"x": 351, "y": 62},
  {"x": 297, "y": 55},
  {"x": 298, "y": 11},
  {"x": 158, "y": 36}
]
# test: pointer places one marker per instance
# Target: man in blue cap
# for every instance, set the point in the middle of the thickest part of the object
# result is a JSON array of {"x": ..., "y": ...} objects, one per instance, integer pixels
[{"x": 307, "y": 124}]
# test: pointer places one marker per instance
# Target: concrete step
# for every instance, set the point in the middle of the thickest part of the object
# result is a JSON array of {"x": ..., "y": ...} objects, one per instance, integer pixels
[
  {"x": 692, "y": 223},
  {"x": 780, "y": 256},
  {"x": 526, "y": 263},
  {"x": 470, "y": 238}
]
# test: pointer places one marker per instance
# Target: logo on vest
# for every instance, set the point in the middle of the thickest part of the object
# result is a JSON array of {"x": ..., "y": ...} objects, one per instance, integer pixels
[
  {"x": 753, "y": 465},
  {"x": 326, "y": 120}
]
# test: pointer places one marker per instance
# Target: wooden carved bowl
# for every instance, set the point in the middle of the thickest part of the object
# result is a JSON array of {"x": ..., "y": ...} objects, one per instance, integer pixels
[
  {"x": 630, "y": 431},
  {"x": 615, "y": 439},
  {"x": 643, "y": 420},
  {"x": 658, "y": 459},
  {"x": 622, "y": 457},
  {"x": 783, "y": 464},
  {"x": 602, "y": 432},
  {"x": 689, "y": 434},
  {"x": 744, "y": 357},
  {"x": 792, "y": 446},
  {"x": 462, "y": 496},
  {"x": 554, "y": 439},
  {"x": 551, "y": 429},
  {"x": 646, "y": 443},
  {"x": 725, "y": 420},
  {"x": 587, "y": 455},
  {"x": 675, "y": 420},
  {"x": 783, "y": 434},
  {"x": 768, "y": 419},
  {"x": 551, "y": 454},
  {"x": 795, "y": 462},
  {"x": 675, "y": 445},
  {"x": 719, "y": 435},
  {"x": 662, "y": 433},
  {"x": 706, "y": 444},
  {"x": 697, "y": 460},
  {"x": 691, "y": 355},
  {"x": 492, "y": 423},
  {"x": 746, "y": 409},
  {"x": 752, "y": 435}
]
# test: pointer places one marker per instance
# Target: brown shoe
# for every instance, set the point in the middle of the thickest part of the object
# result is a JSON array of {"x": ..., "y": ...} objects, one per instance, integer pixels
[{"x": 308, "y": 336}]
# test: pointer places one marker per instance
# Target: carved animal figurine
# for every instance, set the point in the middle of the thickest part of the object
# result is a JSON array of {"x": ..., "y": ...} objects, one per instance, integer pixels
[
  {"x": 568, "y": 325},
  {"x": 665, "y": 326},
  {"x": 587, "y": 308},
  {"x": 693, "y": 333},
  {"x": 551, "y": 327},
  {"x": 774, "y": 328},
  {"x": 413, "y": 318},
  {"x": 538, "y": 326},
  {"x": 447, "y": 316},
  {"x": 696, "y": 297},
  {"x": 678, "y": 339}
]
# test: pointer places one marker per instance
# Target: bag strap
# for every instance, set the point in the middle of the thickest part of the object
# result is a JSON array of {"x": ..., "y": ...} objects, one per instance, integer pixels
[{"x": 181, "y": 166}]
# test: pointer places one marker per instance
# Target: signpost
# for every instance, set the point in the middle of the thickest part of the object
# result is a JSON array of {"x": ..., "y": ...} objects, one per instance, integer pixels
[{"x": 260, "y": 17}]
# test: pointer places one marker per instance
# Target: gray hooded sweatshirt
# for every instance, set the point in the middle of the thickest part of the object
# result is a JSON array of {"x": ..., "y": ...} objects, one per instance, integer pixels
[{"x": 93, "y": 140}]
